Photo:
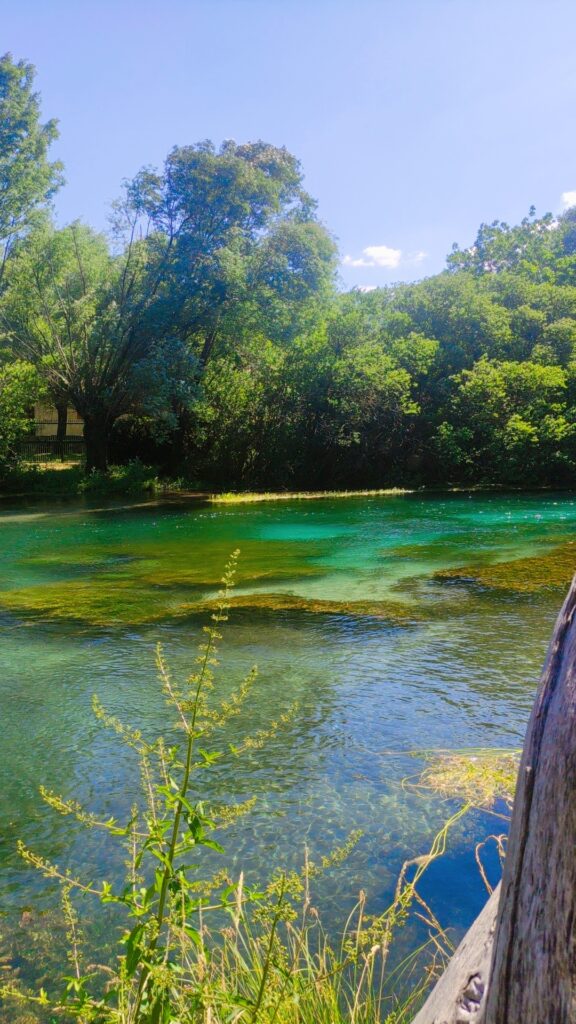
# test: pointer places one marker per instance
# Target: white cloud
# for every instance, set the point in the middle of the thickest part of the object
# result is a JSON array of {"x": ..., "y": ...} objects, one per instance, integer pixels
[
  {"x": 568, "y": 199},
  {"x": 383, "y": 256},
  {"x": 375, "y": 256},
  {"x": 365, "y": 288}
]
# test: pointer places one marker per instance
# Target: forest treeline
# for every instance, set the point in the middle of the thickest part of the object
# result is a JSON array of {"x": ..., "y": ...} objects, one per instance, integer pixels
[{"x": 206, "y": 334}]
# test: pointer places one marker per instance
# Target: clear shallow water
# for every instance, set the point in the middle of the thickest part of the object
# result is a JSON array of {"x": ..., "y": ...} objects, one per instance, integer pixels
[{"x": 397, "y": 624}]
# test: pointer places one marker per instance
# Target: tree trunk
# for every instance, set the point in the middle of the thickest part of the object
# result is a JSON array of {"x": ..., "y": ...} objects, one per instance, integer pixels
[
  {"x": 96, "y": 436},
  {"x": 178, "y": 456},
  {"x": 532, "y": 977},
  {"x": 208, "y": 346},
  {"x": 62, "y": 411}
]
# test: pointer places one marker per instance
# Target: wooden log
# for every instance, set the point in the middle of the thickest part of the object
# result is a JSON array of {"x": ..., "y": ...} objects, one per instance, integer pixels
[
  {"x": 532, "y": 976},
  {"x": 459, "y": 994}
]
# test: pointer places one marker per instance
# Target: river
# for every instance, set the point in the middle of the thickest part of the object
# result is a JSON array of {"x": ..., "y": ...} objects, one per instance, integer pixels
[{"x": 387, "y": 626}]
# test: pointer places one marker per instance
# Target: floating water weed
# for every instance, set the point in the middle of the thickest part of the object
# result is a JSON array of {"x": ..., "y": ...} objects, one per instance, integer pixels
[{"x": 477, "y": 776}]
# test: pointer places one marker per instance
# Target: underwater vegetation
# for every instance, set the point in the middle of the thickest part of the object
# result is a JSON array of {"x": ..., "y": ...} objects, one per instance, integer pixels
[
  {"x": 544, "y": 571},
  {"x": 143, "y": 582},
  {"x": 479, "y": 777}
]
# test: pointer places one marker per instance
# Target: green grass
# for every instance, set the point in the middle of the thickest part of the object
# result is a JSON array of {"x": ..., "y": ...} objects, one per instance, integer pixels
[{"x": 249, "y": 497}]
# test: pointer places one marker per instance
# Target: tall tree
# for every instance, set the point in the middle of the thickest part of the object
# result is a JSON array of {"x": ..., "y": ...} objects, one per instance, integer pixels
[
  {"x": 78, "y": 313},
  {"x": 212, "y": 219},
  {"x": 235, "y": 243},
  {"x": 27, "y": 178}
]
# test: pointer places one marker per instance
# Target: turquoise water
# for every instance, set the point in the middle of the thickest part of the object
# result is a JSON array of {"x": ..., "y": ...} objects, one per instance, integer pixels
[{"x": 397, "y": 624}]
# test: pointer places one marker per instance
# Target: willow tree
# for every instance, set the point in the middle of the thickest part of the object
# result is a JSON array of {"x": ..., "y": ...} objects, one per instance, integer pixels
[
  {"x": 197, "y": 246},
  {"x": 78, "y": 313}
]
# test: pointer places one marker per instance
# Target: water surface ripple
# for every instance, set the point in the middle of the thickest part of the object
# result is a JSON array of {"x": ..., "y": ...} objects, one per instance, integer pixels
[{"x": 397, "y": 624}]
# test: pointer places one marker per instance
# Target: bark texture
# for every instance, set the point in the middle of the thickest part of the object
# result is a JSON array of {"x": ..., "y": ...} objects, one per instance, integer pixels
[
  {"x": 460, "y": 993},
  {"x": 62, "y": 427},
  {"x": 533, "y": 975},
  {"x": 62, "y": 413},
  {"x": 96, "y": 433}
]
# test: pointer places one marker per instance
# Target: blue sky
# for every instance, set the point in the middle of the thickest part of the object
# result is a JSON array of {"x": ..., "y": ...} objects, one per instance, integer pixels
[{"x": 414, "y": 120}]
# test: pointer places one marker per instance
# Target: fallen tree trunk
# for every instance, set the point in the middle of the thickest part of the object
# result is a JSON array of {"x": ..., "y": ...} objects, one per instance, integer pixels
[
  {"x": 459, "y": 994},
  {"x": 517, "y": 963}
]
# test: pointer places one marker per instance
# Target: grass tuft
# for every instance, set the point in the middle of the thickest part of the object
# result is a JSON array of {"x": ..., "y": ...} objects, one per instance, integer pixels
[{"x": 249, "y": 497}]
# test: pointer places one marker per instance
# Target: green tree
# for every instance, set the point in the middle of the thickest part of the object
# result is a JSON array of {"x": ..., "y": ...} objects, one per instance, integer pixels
[
  {"x": 233, "y": 237},
  {"x": 27, "y": 178},
  {"x": 79, "y": 314},
  {"x": 203, "y": 216},
  {"x": 20, "y": 387},
  {"x": 510, "y": 422},
  {"x": 528, "y": 248},
  {"x": 461, "y": 315}
]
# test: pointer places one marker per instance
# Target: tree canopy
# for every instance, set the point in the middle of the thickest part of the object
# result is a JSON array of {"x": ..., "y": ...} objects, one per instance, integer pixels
[
  {"x": 207, "y": 333},
  {"x": 28, "y": 179}
]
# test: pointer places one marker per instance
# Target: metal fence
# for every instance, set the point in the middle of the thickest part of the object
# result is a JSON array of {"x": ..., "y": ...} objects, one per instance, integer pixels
[{"x": 50, "y": 449}]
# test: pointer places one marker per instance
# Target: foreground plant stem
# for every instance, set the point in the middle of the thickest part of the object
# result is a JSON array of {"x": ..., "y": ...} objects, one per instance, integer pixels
[{"x": 168, "y": 869}]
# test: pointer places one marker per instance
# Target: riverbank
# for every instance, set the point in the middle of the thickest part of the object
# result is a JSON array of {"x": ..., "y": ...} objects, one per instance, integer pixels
[
  {"x": 71, "y": 481},
  {"x": 135, "y": 480}
]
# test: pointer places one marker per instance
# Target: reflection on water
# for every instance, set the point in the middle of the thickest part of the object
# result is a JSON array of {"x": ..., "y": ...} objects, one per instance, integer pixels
[{"x": 434, "y": 639}]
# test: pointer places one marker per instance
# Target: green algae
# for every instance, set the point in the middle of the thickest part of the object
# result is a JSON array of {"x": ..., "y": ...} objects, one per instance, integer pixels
[
  {"x": 147, "y": 581},
  {"x": 187, "y": 559},
  {"x": 392, "y": 611},
  {"x": 551, "y": 570},
  {"x": 118, "y": 602},
  {"x": 92, "y": 602}
]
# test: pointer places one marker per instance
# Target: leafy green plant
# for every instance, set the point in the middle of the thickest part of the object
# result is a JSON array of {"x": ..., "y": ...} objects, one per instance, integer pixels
[
  {"x": 20, "y": 387},
  {"x": 132, "y": 479},
  {"x": 200, "y": 948}
]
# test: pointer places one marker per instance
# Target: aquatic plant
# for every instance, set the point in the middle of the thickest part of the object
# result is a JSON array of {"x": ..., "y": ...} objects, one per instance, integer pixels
[
  {"x": 148, "y": 581},
  {"x": 251, "y": 497},
  {"x": 204, "y": 948},
  {"x": 549, "y": 570},
  {"x": 479, "y": 777}
]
